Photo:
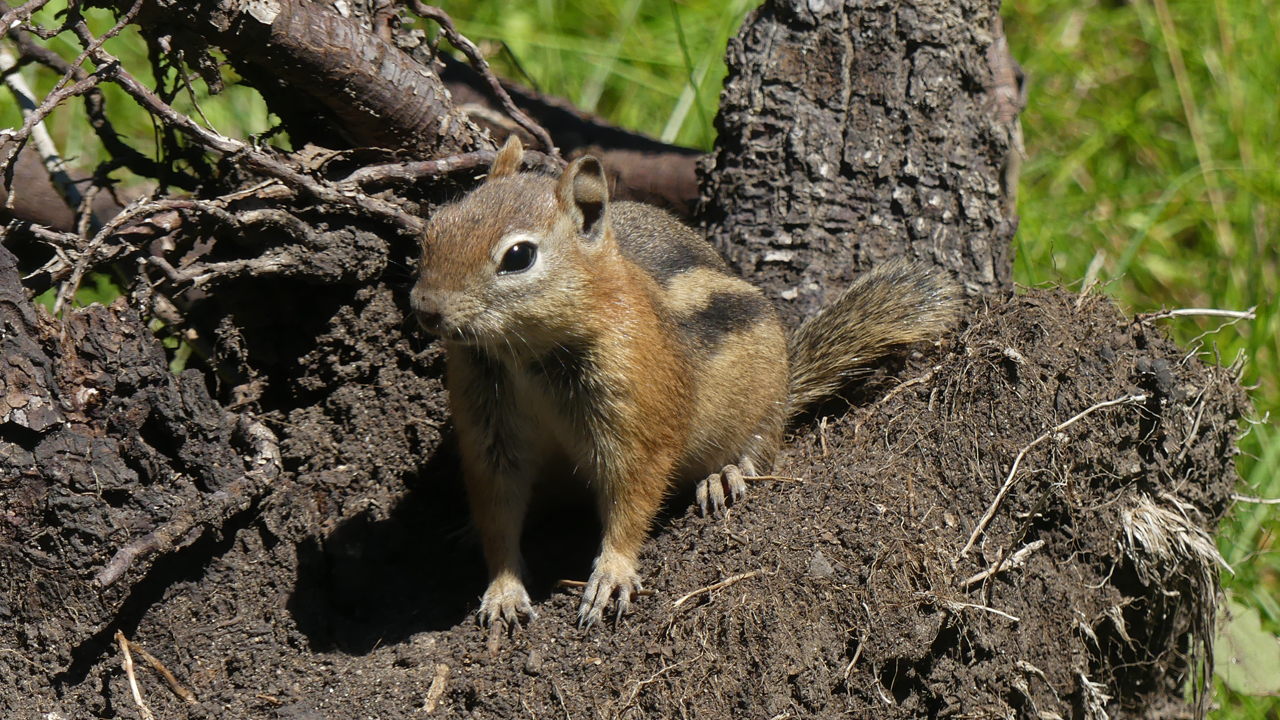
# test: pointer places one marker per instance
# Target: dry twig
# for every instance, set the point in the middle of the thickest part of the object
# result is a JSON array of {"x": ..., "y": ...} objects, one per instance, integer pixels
[
  {"x": 1256, "y": 500},
  {"x": 481, "y": 66},
  {"x": 133, "y": 680},
  {"x": 139, "y": 210},
  {"x": 712, "y": 588},
  {"x": 1009, "y": 563},
  {"x": 260, "y": 161},
  {"x": 159, "y": 667},
  {"x": 1250, "y": 314},
  {"x": 61, "y": 91},
  {"x": 409, "y": 171},
  {"x": 991, "y": 610},
  {"x": 1008, "y": 483},
  {"x": 862, "y": 640}
]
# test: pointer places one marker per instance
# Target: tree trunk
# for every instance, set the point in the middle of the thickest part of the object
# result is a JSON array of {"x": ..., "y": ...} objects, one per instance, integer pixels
[{"x": 849, "y": 134}]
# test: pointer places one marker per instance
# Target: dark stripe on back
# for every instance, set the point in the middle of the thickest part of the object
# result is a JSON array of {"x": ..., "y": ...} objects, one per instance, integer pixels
[
  {"x": 657, "y": 242},
  {"x": 724, "y": 314}
]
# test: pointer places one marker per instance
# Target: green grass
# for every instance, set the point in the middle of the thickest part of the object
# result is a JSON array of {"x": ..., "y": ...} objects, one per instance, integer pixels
[
  {"x": 1153, "y": 144},
  {"x": 623, "y": 59}
]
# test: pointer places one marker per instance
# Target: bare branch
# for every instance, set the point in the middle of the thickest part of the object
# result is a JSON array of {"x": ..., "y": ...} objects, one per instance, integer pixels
[
  {"x": 60, "y": 240},
  {"x": 1013, "y": 472},
  {"x": 411, "y": 171},
  {"x": 270, "y": 263},
  {"x": 254, "y": 158},
  {"x": 61, "y": 91},
  {"x": 86, "y": 259},
  {"x": 95, "y": 108},
  {"x": 481, "y": 66},
  {"x": 44, "y": 142},
  {"x": 93, "y": 44},
  {"x": 33, "y": 118},
  {"x": 20, "y": 14}
]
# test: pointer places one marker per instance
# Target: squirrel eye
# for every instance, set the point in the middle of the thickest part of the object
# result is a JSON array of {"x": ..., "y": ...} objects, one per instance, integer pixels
[{"x": 518, "y": 258}]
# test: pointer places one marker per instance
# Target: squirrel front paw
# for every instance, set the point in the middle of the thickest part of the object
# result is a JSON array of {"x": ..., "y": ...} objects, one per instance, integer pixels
[
  {"x": 506, "y": 600},
  {"x": 612, "y": 574},
  {"x": 711, "y": 491}
]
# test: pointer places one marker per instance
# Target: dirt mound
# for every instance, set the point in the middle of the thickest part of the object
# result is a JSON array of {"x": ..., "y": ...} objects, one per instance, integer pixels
[{"x": 348, "y": 591}]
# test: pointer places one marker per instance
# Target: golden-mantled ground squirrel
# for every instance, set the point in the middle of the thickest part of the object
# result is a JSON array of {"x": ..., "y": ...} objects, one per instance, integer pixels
[{"x": 608, "y": 342}]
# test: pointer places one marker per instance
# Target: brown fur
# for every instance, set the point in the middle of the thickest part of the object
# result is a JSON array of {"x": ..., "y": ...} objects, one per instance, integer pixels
[
  {"x": 897, "y": 303},
  {"x": 624, "y": 349}
]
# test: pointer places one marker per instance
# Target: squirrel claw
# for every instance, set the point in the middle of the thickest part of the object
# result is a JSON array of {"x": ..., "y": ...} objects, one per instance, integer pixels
[
  {"x": 507, "y": 602},
  {"x": 600, "y": 588},
  {"x": 711, "y": 491}
]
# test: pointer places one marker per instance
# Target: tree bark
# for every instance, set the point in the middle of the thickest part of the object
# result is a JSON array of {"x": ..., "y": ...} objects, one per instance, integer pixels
[
  {"x": 850, "y": 133},
  {"x": 373, "y": 92}
]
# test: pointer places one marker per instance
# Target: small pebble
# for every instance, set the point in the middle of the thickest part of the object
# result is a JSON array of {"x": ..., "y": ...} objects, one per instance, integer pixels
[
  {"x": 533, "y": 663},
  {"x": 819, "y": 566}
]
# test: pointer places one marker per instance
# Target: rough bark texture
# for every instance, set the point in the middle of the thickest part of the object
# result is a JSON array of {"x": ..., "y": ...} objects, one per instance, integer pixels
[
  {"x": 373, "y": 93},
  {"x": 102, "y": 446},
  {"x": 854, "y": 132}
]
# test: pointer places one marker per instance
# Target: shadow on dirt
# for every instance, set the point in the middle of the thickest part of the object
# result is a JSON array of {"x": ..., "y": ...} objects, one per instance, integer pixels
[{"x": 374, "y": 582}]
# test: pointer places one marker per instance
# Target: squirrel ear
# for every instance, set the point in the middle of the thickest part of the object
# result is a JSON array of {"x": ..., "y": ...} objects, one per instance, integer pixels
[
  {"x": 507, "y": 162},
  {"x": 584, "y": 193}
]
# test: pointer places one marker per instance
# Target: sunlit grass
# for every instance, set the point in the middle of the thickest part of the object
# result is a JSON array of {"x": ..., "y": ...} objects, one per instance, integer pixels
[{"x": 621, "y": 58}]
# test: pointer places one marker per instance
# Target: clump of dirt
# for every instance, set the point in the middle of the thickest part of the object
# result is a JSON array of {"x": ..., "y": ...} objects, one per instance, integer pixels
[{"x": 345, "y": 592}]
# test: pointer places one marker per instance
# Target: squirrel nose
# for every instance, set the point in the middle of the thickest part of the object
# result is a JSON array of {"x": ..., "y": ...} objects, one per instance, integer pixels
[
  {"x": 427, "y": 311},
  {"x": 430, "y": 320}
]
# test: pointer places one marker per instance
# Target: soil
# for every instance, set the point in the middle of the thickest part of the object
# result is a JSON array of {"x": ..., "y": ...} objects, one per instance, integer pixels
[{"x": 343, "y": 583}]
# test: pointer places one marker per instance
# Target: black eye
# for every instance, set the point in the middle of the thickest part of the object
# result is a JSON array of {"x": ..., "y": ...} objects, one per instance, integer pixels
[{"x": 518, "y": 258}]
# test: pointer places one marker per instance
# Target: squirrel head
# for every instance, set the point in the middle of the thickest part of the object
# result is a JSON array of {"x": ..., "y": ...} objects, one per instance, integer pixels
[{"x": 508, "y": 266}]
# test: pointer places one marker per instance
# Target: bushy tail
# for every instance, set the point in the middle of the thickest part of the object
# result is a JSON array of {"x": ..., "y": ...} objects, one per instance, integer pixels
[{"x": 897, "y": 303}]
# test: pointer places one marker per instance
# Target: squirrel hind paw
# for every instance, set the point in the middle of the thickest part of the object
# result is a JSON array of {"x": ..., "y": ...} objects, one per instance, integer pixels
[
  {"x": 718, "y": 490},
  {"x": 600, "y": 589},
  {"x": 506, "y": 602}
]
